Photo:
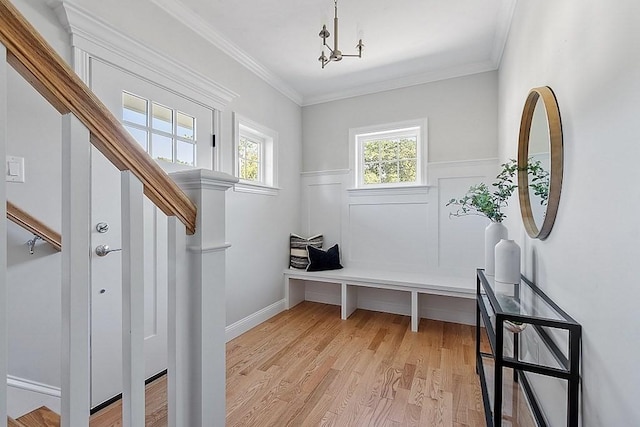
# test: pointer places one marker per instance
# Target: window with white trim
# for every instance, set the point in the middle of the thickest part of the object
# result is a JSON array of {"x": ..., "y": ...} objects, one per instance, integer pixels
[
  {"x": 255, "y": 156},
  {"x": 250, "y": 156},
  {"x": 165, "y": 133},
  {"x": 391, "y": 155}
]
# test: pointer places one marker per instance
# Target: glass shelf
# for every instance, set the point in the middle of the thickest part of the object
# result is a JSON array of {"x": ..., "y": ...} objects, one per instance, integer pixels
[{"x": 523, "y": 299}]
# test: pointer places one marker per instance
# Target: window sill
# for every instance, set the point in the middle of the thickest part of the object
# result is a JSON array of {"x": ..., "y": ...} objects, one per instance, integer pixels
[
  {"x": 255, "y": 188},
  {"x": 390, "y": 190}
]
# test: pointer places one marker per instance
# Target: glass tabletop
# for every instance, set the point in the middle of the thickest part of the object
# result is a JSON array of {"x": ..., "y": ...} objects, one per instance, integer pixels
[{"x": 520, "y": 299}]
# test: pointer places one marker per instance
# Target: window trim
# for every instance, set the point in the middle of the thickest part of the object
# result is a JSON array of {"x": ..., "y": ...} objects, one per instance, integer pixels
[
  {"x": 268, "y": 183},
  {"x": 356, "y": 156}
]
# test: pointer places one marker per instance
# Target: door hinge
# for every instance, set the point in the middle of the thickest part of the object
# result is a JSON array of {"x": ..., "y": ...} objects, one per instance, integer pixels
[{"x": 213, "y": 140}]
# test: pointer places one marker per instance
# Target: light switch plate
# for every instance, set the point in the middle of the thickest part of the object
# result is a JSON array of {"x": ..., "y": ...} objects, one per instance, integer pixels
[{"x": 14, "y": 169}]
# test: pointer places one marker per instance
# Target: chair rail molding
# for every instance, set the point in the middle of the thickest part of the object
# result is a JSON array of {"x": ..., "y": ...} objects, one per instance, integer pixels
[{"x": 326, "y": 172}]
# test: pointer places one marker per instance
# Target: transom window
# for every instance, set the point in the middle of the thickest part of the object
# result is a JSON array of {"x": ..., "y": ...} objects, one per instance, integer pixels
[
  {"x": 165, "y": 133},
  {"x": 389, "y": 155}
]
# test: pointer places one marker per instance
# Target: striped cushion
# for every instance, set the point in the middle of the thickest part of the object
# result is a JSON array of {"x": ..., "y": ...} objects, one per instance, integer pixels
[{"x": 298, "y": 245}]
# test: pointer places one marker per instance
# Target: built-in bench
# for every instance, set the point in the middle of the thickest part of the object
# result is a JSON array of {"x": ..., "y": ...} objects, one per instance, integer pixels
[{"x": 349, "y": 279}]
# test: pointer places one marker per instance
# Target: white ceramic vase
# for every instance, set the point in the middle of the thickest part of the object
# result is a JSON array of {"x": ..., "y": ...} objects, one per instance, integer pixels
[
  {"x": 507, "y": 256},
  {"x": 494, "y": 232}
]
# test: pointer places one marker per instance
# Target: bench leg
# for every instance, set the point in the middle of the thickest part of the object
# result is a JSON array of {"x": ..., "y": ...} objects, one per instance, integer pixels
[
  {"x": 293, "y": 293},
  {"x": 415, "y": 315},
  {"x": 349, "y": 301}
]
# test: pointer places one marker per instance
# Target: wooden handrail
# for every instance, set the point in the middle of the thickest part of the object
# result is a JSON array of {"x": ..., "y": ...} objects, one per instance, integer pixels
[
  {"x": 31, "y": 56},
  {"x": 33, "y": 225}
]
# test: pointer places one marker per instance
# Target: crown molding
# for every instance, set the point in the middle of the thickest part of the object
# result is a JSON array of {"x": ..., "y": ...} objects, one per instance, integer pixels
[
  {"x": 85, "y": 26},
  {"x": 402, "y": 82},
  {"x": 502, "y": 31},
  {"x": 100, "y": 39},
  {"x": 189, "y": 18}
]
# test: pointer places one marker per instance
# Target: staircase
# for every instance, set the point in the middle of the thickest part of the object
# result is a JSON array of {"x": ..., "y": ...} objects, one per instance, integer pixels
[
  {"x": 41, "y": 417},
  {"x": 194, "y": 204}
]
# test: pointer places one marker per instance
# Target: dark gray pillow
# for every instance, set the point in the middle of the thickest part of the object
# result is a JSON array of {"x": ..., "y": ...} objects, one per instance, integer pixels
[
  {"x": 299, "y": 257},
  {"x": 320, "y": 260}
]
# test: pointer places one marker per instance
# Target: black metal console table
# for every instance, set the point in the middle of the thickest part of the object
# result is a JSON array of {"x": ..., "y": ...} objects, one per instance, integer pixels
[{"x": 505, "y": 308}]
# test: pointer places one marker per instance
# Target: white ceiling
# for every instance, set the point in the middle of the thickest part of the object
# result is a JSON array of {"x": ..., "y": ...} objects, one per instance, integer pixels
[{"x": 406, "y": 41}]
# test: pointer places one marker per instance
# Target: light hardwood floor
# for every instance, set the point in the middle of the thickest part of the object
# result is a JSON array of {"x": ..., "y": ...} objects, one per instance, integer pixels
[
  {"x": 307, "y": 367},
  {"x": 156, "y": 408}
]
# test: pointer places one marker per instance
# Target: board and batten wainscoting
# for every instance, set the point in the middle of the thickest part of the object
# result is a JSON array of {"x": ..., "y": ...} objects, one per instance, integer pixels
[{"x": 400, "y": 229}]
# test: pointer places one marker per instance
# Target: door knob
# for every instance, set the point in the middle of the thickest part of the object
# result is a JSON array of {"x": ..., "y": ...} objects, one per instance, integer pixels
[{"x": 103, "y": 250}]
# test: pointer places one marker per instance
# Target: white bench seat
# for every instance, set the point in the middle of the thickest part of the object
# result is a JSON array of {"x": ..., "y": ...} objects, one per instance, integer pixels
[{"x": 349, "y": 279}]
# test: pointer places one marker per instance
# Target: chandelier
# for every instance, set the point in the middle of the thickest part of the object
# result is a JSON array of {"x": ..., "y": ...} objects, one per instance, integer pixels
[{"x": 335, "y": 54}]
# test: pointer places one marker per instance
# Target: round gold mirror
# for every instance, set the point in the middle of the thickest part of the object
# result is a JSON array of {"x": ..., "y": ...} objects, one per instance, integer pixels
[{"x": 540, "y": 162}]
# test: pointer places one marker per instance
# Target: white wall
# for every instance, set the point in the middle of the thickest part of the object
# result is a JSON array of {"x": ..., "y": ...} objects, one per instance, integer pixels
[
  {"x": 461, "y": 114},
  {"x": 587, "y": 51},
  {"x": 400, "y": 230},
  {"x": 258, "y": 226}
]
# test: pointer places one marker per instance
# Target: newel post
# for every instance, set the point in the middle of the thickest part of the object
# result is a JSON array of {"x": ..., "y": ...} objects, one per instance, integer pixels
[{"x": 204, "y": 308}]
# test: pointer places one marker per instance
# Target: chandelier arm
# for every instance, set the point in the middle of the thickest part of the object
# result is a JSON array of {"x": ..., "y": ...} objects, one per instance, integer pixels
[{"x": 329, "y": 47}]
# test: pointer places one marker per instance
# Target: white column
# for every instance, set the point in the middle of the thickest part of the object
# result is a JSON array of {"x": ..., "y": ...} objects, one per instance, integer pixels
[
  {"x": 76, "y": 247},
  {"x": 133, "y": 405},
  {"x": 4, "y": 331},
  {"x": 178, "y": 325},
  {"x": 206, "y": 253}
]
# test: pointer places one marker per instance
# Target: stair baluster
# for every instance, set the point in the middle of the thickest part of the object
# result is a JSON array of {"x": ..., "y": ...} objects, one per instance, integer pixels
[
  {"x": 76, "y": 277},
  {"x": 132, "y": 300},
  {"x": 4, "y": 332}
]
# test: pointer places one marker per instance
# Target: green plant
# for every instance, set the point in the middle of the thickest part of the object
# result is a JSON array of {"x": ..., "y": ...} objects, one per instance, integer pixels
[
  {"x": 480, "y": 200},
  {"x": 538, "y": 180}
]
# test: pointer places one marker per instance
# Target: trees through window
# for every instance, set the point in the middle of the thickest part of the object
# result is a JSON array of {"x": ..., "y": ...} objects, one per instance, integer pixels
[
  {"x": 250, "y": 157},
  {"x": 389, "y": 155},
  {"x": 255, "y": 156}
]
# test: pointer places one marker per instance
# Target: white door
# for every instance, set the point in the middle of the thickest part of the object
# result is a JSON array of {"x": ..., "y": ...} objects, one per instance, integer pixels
[{"x": 168, "y": 127}]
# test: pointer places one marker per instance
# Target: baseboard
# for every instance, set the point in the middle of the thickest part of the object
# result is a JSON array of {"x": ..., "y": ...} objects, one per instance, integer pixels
[
  {"x": 24, "y": 396},
  {"x": 251, "y": 321}
]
